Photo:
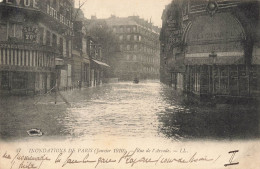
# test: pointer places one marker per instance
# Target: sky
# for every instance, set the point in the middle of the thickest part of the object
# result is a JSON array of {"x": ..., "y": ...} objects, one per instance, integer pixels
[{"x": 146, "y": 9}]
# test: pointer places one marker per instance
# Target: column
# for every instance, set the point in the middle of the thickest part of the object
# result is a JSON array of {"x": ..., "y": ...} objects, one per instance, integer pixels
[
  {"x": 32, "y": 58},
  {"x": 25, "y": 58},
  {"x": 4, "y": 56},
  {"x": 22, "y": 58},
  {"x": 15, "y": 57},
  {"x": 29, "y": 58},
  {"x": 0, "y": 58},
  {"x": 35, "y": 58},
  {"x": 11, "y": 56},
  {"x": 7, "y": 56}
]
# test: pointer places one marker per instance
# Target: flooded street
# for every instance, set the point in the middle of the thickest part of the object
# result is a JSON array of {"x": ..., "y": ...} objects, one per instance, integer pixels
[{"x": 145, "y": 110}]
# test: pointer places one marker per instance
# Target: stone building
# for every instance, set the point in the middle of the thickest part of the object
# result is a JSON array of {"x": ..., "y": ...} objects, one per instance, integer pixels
[
  {"x": 211, "y": 48},
  {"x": 80, "y": 57},
  {"x": 35, "y": 43},
  {"x": 97, "y": 63},
  {"x": 138, "y": 47}
]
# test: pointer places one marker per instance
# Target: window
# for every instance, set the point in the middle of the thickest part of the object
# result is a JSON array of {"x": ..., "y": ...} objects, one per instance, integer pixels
[
  {"x": 114, "y": 29},
  {"x": 54, "y": 3},
  {"x": 11, "y": 30},
  {"x": 130, "y": 57},
  {"x": 128, "y": 37},
  {"x": 48, "y": 38},
  {"x": 140, "y": 38},
  {"x": 134, "y": 29},
  {"x": 135, "y": 37},
  {"x": 54, "y": 40},
  {"x": 3, "y": 31},
  {"x": 61, "y": 46},
  {"x": 128, "y": 47},
  {"x": 18, "y": 31},
  {"x": 140, "y": 47},
  {"x": 121, "y": 37},
  {"x": 121, "y": 29},
  {"x": 85, "y": 73},
  {"x": 41, "y": 30},
  {"x": 67, "y": 48},
  {"x": 135, "y": 47},
  {"x": 134, "y": 57},
  {"x": 128, "y": 29}
]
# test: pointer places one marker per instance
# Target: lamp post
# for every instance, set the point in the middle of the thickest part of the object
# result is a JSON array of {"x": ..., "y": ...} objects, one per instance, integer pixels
[{"x": 211, "y": 74}]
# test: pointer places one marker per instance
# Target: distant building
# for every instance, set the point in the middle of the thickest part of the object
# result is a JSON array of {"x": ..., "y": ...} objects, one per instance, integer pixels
[
  {"x": 211, "y": 48},
  {"x": 138, "y": 54},
  {"x": 35, "y": 42}
]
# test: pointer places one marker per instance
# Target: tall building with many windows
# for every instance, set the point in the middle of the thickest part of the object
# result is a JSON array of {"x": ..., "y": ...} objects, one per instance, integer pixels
[
  {"x": 138, "y": 42},
  {"x": 35, "y": 44}
]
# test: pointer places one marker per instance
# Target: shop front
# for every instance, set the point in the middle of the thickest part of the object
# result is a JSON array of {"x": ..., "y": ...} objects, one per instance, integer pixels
[
  {"x": 216, "y": 59},
  {"x": 96, "y": 72},
  {"x": 25, "y": 69}
]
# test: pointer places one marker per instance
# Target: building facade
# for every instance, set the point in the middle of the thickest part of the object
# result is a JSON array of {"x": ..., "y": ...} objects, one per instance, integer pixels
[
  {"x": 80, "y": 58},
  {"x": 137, "y": 41},
  {"x": 139, "y": 48},
  {"x": 35, "y": 40},
  {"x": 98, "y": 65},
  {"x": 211, "y": 48}
]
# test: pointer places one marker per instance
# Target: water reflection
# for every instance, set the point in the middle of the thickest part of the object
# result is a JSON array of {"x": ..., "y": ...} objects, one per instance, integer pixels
[
  {"x": 147, "y": 109},
  {"x": 191, "y": 119}
]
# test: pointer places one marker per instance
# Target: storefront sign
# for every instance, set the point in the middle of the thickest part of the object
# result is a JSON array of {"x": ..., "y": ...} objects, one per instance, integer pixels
[
  {"x": 23, "y": 3},
  {"x": 221, "y": 47},
  {"x": 172, "y": 23},
  {"x": 54, "y": 13},
  {"x": 30, "y": 34},
  {"x": 35, "y": 4},
  {"x": 175, "y": 37},
  {"x": 174, "y": 40}
]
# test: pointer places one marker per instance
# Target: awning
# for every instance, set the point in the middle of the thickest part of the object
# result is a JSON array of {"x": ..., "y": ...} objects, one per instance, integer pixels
[{"x": 101, "y": 63}]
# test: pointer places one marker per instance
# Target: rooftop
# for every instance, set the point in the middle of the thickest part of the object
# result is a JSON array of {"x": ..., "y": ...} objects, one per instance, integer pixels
[{"x": 130, "y": 20}]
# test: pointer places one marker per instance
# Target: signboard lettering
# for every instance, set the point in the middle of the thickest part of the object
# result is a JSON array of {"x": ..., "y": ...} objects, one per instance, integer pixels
[
  {"x": 30, "y": 34},
  {"x": 214, "y": 35},
  {"x": 23, "y": 3},
  {"x": 235, "y": 46},
  {"x": 54, "y": 13}
]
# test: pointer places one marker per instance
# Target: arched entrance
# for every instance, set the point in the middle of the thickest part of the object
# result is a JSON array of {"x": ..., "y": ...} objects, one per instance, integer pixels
[{"x": 214, "y": 58}]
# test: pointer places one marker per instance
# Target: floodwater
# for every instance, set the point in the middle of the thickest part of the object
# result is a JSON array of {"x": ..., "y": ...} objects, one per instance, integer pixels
[{"x": 145, "y": 110}]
